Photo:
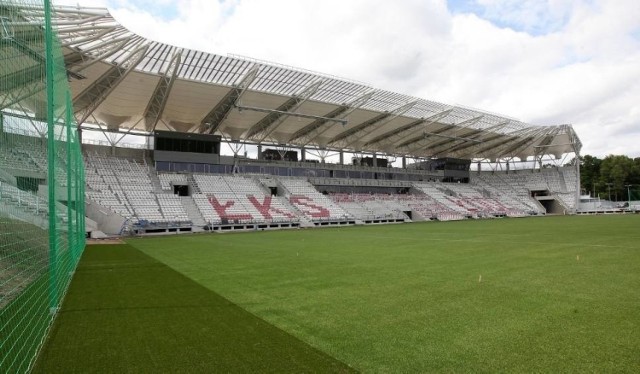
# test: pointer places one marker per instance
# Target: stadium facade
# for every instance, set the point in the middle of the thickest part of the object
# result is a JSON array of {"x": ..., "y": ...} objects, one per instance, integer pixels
[{"x": 189, "y": 104}]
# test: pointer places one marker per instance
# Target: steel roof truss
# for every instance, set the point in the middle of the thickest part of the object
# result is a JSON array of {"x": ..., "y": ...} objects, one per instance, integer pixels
[
  {"x": 318, "y": 127},
  {"x": 261, "y": 130},
  {"x": 214, "y": 119},
  {"x": 155, "y": 107},
  {"x": 478, "y": 134},
  {"x": 348, "y": 137},
  {"x": 394, "y": 136},
  {"x": 307, "y": 133},
  {"x": 90, "y": 99},
  {"x": 423, "y": 140}
]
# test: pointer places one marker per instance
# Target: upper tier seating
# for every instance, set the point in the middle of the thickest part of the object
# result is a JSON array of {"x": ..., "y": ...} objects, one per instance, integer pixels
[
  {"x": 168, "y": 179},
  {"x": 125, "y": 187},
  {"x": 29, "y": 204},
  {"x": 23, "y": 199},
  {"x": 21, "y": 153}
]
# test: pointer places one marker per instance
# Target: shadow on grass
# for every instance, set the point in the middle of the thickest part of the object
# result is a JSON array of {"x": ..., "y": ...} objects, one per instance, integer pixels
[{"x": 126, "y": 312}]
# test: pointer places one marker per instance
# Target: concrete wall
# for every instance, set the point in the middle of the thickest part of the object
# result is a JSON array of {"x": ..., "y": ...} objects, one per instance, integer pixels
[
  {"x": 187, "y": 157},
  {"x": 132, "y": 153},
  {"x": 107, "y": 221}
]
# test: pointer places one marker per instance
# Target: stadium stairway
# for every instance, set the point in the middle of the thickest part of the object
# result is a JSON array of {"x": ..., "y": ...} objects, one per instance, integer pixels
[
  {"x": 39, "y": 220},
  {"x": 193, "y": 185},
  {"x": 193, "y": 212},
  {"x": 155, "y": 181},
  {"x": 563, "y": 183}
]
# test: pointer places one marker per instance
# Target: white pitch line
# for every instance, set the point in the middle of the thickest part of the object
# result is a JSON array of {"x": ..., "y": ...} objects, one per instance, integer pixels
[{"x": 515, "y": 242}]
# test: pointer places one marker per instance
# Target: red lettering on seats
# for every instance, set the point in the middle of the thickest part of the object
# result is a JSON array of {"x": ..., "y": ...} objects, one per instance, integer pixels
[
  {"x": 266, "y": 209},
  {"x": 222, "y": 210},
  {"x": 316, "y": 210}
]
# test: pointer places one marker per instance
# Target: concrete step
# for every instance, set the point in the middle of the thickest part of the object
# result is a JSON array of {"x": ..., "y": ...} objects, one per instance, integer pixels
[
  {"x": 155, "y": 181},
  {"x": 192, "y": 211}
]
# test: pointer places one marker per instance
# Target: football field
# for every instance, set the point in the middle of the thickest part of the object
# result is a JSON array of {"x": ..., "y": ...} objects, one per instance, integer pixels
[{"x": 551, "y": 294}]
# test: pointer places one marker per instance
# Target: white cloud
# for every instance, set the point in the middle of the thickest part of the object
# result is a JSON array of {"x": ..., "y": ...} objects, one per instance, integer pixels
[
  {"x": 535, "y": 16},
  {"x": 545, "y": 62}
]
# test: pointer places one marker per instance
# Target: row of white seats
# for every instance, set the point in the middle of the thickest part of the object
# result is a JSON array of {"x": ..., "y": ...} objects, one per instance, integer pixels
[
  {"x": 169, "y": 179},
  {"x": 314, "y": 205},
  {"x": 238, "y": 199}
]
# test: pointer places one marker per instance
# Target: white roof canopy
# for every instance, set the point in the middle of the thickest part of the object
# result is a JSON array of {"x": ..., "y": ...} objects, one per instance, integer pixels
[{"x": 124, "y": 82}]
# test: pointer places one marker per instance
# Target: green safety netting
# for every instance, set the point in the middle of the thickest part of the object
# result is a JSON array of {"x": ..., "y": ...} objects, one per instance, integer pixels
[{"x": 41, "y": 181}]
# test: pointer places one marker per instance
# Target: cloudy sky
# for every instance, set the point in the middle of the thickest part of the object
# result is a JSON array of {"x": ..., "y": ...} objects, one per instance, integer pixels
[{"x": 545, "y": 62}]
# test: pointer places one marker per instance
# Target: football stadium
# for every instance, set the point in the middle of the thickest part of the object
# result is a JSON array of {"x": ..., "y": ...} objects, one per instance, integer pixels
[{"x": 164, "y": 209}]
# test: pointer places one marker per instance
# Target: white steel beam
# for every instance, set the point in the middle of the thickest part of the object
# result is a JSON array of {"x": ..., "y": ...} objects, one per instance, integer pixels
[
  {"x": 318, "y": 127},
  {"x": 90, "y": 99},
  {"x": 358, "y": 132},
  {"x": 261, "y": 130},
  {"x": 216, "y": 116},
  {"x": 158, "y": 100}
]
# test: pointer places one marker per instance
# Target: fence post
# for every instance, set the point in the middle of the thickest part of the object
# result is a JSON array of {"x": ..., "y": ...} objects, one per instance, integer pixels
[
  {"x": 51, "y": 170},
  {"x": 70, "y": 218}
]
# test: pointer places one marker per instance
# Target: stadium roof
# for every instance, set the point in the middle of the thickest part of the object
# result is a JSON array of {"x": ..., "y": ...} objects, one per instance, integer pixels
[{"x": 125, "y": 82}]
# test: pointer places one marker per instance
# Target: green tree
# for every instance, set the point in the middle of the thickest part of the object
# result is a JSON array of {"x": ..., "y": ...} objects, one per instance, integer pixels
[
  {"x": 618, "y": 170},
  {"x": 635, "y": 174},
  {"x": 590, "y": 174},
  {"x": 635, "y": 180}
]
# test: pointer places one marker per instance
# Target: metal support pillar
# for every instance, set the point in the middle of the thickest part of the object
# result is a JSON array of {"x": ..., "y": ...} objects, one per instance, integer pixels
[
  {"x": 375, "y": 160},
  {"x": 404, "y": 162},
  {"x": 259, "y": 151},
  {"x": 341, "y": 157},
  {"x": 51, "y": 156},
  {"x": 578, "y": 190},
  {"x": 303, "y": 154}
]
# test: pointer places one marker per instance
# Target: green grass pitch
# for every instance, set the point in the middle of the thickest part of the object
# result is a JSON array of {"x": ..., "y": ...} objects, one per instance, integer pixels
[{"x": 553, "y": 294}]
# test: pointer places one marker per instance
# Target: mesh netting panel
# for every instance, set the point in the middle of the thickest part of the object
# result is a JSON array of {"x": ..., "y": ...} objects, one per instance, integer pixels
[{"x": 41, "y": 181}]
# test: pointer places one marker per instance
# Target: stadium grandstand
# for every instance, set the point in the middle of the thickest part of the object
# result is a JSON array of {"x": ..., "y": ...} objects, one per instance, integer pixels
[
  {"x": 104, "y": 134},
  {"x": 324, "y": 150}
]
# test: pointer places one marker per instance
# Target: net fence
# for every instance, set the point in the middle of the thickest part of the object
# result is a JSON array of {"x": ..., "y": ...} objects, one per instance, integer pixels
[{"x": 41, "y": 181}]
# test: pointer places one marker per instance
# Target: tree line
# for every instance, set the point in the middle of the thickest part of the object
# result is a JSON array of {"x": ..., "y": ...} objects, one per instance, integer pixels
[{"x": 613, "y": 177}]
